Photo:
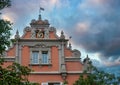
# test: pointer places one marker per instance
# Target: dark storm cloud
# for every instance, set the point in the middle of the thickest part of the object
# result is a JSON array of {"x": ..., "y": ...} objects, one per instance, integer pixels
[
  {"x": 93, "y": 24},
  {"x": 103, "y": 34}
]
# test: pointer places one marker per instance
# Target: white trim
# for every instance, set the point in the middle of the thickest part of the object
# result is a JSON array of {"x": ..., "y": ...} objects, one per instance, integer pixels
[
  {"x": 12, "y": 58},
  {"x": 57, "y": 72},
  {"x": 32, "y": 58},
  {"x": 40, "y": 49},
  {"x": 52, "y": 72},
  {"x": 75, "y": 72},
  {"x": 53, "y": 82},
  {"x": 9, "y": 57},
  {"x": 72, "y": 59}
]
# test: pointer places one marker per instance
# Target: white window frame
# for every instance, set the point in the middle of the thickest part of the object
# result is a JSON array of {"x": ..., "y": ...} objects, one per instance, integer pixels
[
  {"x": 46, "y": 61},
  {"x": 40, "y": 50},
  {"x": 32, "y": 61},
  {"x": 47, "y": 83}
]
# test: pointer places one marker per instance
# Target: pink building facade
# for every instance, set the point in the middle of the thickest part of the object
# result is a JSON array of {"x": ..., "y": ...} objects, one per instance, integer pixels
[{"x": 49, "y": 55}]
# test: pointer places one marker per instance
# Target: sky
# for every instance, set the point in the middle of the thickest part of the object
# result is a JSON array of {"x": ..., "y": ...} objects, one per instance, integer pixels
[{"x": 93, "y": 24}]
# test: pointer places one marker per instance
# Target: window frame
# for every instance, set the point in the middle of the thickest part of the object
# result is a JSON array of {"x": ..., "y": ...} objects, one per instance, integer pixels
[
  {"x": 46, "y": 61},
  {"x": 40, "y": 50},
  {"x": 32, "y": 60}
]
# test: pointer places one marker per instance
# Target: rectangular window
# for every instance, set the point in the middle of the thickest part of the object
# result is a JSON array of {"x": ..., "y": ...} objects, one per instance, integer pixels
[
  {"x": 35, "y": 57},
  {"x": 51, "y": 84},
  {"x": 44, "y": 57}
]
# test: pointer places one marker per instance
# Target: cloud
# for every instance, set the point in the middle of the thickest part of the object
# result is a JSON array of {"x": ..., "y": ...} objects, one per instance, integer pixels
[
  {"x": 21, "y": 12},
  {"x": 110, "y": 62},
  {"x": 82, "y": 27},
  {"x": 101, "y": 32},
  {"x": 8, "y": 18},
  {"x": 93, "y": 24},
  {"x": 97, "y": 63}
]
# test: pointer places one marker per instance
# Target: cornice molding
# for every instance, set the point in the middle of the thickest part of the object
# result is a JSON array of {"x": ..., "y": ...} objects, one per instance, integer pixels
[
  {"x": 9, "y": 58},
  {"x": 47, "y": 73},
  {"x": 72, "y": 59},
  {"x": 38, "y": 39},
  {"x": 57, "y": 72}
]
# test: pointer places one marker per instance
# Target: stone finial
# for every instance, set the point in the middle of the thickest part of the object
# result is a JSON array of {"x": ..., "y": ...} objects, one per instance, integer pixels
[
  {"x": 87, "y": 58},
  {"x": 62, "y": 35},
  {"x": 70, "y": 47},
  {"x": 17, "y": 36},
  {"x": 87, "y": 64}
]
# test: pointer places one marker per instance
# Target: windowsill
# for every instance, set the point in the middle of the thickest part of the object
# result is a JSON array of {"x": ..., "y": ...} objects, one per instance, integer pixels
[
  {"x": 34, "y": 64},
  {"x": 40, "y": 64},
  {"x": 46, "y": 64}
]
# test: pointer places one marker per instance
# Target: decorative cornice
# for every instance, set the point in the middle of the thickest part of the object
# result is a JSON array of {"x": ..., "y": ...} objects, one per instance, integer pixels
[
  {"x": 42, "y": 40},
  {"x": 39, "y": 22},
  {"x": 9, "y": 58},
  {"x": 57, "y": 72},
  {"x": 47, "y": 73},
  {"x": 72, "y": 59},
  {"x": 75, "y": 72}
]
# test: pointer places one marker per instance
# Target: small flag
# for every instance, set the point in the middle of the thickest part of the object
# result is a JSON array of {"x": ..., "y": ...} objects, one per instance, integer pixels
[{"x": 41, "y": 8}]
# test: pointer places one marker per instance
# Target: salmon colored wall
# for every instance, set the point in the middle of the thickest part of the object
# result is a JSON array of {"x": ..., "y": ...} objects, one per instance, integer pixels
[
  {"x": 6, "y": 63},
  {"x": 74, "y": 66},
  {"x": 52, "y": 35},
  {"x": 67, "y": 52},
  {"x": 27, "y": 35},
  {"x": 11, "y": 51},
  {"x": 25, "y": 56},
  {"x": 25, "y": 60},
  {"x": 72, "y": 78},
  {"x": 53, "y": 78},
  {"x": 55, "y": 62},
  {"x": 45, "y": 78},
  {"x": 54, "y": 57}
]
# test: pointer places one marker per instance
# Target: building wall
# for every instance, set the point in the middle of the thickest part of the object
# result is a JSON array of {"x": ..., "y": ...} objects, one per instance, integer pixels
[
  {"x": 11, "y": 51},
  {"x": 74, "y": 66},
  {"x": 25, "y": 56},
  {"x": 62, "y": 60},
  {"x": 72, "y": 78},
  {"x": 67, "y": 52}
]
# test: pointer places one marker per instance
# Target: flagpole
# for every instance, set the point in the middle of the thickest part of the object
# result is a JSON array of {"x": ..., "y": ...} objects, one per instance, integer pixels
[
  {"x": 40, "y": 9},
  {"x": 39, "y": 14}
]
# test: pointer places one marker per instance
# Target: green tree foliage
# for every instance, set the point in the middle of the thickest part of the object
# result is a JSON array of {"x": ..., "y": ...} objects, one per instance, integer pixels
[
  {"x": 5, "y": 27},
  {"x": 14, "y": 74},
  {"x": 4, "y": 4},
  {"x": 97, "y": 77}
]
